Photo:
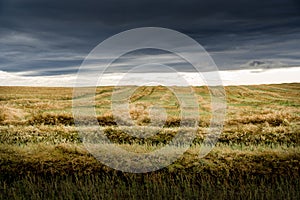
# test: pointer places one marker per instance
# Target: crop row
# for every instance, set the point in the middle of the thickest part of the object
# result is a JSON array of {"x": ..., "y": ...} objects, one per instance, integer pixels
[
  {"x": 222, "y": 162},
  {"x": 244, "y": 134},
  {"x": 273, "y": 119}
]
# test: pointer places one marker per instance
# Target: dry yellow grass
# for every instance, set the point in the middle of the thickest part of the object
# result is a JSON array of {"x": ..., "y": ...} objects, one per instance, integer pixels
[
  {"x": 258, "y": 148},
  {"x": 10, "y": 114}
]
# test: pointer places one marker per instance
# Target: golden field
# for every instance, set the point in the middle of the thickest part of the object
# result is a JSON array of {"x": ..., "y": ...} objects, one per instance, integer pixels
[{"x": 256, "y": 156}]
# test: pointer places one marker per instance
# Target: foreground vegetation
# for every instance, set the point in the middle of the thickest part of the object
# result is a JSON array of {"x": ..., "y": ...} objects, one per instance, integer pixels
[{"x": 257, "y": 156}]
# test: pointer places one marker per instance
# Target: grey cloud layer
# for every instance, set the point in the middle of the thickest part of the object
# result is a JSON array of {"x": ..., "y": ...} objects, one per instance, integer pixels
[{"x": 51, "y": 37}]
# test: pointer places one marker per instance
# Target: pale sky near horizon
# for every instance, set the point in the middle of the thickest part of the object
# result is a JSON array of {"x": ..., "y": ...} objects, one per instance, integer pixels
[{"x": 229, "y": 77}]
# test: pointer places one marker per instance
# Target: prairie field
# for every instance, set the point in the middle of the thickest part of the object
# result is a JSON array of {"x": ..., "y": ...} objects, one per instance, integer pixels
[{"x": 257, "y": 156}]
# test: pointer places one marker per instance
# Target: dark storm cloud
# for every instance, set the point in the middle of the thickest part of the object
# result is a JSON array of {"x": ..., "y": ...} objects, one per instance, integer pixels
[
  {"x": 52, "y": 36},
  {"x": 176, "y": 14}
]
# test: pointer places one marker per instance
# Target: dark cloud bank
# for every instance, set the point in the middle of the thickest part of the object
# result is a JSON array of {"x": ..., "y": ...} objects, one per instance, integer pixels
[{"x": 50, "y": 37}]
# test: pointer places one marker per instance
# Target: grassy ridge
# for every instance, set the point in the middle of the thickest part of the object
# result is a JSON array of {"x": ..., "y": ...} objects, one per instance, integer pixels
[
  {"x": 223, "y": 162},
  {"x": 257, "y": 155}
]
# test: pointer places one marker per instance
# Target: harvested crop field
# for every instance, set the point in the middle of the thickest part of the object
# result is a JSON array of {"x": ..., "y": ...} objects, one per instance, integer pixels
[{"x": 257, "y": 155}]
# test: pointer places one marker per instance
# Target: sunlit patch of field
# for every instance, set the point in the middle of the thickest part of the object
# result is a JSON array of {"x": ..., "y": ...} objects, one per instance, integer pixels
[{"x": 256, "y": 156}]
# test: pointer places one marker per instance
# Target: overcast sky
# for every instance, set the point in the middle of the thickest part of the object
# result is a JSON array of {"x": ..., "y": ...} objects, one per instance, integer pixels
[{"x": 52, "y": 37}]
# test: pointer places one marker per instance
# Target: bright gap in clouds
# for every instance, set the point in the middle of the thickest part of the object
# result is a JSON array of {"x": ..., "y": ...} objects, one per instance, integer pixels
[{"x": 233, "y": 77}]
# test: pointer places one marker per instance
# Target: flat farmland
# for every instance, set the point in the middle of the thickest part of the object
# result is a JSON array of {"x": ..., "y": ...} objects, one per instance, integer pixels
[{"x": 257, "y": 155}]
